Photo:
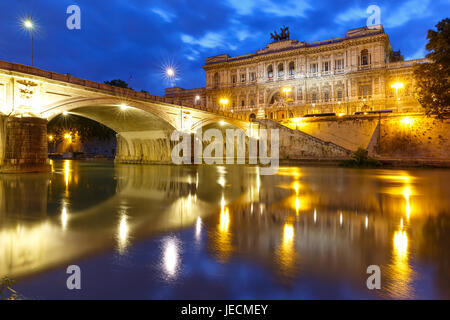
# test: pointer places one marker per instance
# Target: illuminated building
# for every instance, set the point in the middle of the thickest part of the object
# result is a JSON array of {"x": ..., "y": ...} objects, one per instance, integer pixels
[{"x": 290, "y": 78}]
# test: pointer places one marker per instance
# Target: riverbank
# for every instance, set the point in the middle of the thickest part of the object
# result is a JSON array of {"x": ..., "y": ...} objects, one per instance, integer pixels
[{"x": 385, "y": 163}]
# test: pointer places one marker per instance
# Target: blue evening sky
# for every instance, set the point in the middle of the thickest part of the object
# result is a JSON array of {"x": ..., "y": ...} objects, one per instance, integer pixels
[{"x": 120, "y": 38}]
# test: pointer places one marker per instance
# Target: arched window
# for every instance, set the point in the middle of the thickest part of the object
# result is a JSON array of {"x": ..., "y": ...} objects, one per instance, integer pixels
[
  {"x": 216, "y": 80},
  {"x": 291, "y": 68},
  {"x": 280, "y": 70},
  {"x": 275, "y": 98},
  {"x": 270, "y": 72},
  {"x": 242, "y": 103},
  {"x": 364, "y": 57},
  {"x": 252, "y": 116}
]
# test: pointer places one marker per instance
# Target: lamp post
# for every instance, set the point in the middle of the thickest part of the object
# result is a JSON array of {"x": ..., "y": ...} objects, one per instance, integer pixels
[
  {"x": 286, "y": 91},
  {"x": 224, "y": 102},
  {"x": 170, "y": 73},
  {"x": 397, "y": 86},
  {"x": 28, "y": 24}
]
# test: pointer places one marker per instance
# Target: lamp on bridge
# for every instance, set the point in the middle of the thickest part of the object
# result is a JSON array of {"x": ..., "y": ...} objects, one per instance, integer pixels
[{"x": 29, "y": 25}]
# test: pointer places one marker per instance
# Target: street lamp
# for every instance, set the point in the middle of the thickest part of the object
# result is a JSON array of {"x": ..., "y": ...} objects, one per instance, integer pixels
[
  {"x": 170, "y": 72},
  {"x": 29, "y": 25},
  {"x": 286, "y": 91},
  {"x": 224, "y": 102},
  {"x": 68, "y": 137},
  {"x": 397, "y": 86}
]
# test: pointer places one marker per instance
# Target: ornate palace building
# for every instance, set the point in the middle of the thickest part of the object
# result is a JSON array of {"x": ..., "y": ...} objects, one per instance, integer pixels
[{"x": 356, "y": 73}]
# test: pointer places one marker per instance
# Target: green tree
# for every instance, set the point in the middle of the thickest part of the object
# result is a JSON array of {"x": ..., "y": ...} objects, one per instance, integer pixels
[
  {"x": 118, "y": 83},
  {"x": 85, "y": 128},
  {"x": 6, "y": 287},
  {"x": 433, "y": 78}
]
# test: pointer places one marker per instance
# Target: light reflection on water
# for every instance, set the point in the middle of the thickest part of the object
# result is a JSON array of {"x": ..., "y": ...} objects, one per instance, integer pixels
[{"x": 312, "y": 231}]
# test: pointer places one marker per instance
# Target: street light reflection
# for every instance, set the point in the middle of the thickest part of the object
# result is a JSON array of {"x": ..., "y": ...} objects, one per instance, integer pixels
[
  {"x": 171, "y": 257},
  {"x": 400, "y": 273},
  {"x": 64, "y": 217},
  {"x": 198, "y": 229},
  {"x": 286, "y": 252},
  {"x": 123, "y": 232}
]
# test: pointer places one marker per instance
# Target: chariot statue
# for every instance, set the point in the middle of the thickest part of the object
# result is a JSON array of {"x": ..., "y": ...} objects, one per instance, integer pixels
[{"x": 284, "y": 34}]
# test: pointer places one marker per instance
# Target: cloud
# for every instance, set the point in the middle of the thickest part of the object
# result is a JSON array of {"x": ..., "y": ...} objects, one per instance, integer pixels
[
  {"x": 209, "y": 41},
  {"x": 351, "y": 14},
  {"x": 287, "y": 8},
  {"x": 165, "y": 15},
  {"x": 409, "y": 10}
]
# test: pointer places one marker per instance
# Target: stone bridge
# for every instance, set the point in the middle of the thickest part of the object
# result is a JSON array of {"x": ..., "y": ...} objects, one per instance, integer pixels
[{"x": 29, "y": 97}]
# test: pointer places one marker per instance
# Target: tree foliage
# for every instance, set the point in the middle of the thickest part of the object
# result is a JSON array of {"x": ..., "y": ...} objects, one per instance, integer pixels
[
  {"x": 118, "y": 83},
  {"x": 361, "y": 159},
  {"x": 6, "y": 288},
  {"x": 85, "y": 128},
  {"x": 433, "y": 78}
]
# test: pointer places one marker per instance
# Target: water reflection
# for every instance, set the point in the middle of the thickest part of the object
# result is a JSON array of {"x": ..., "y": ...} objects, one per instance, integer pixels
[
  {"x": 304, "y": 223},
  {"x": 198, "y": 229},
  {"x": 400, "y": 272},
  {"x": 64, "y": 216},
  {"x": 286, "y": 253},
  {"x": 123, "y": 238},
  {"x": 171, "y": 257}
]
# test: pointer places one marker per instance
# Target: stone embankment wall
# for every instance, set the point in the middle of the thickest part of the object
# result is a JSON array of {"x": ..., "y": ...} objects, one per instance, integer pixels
[
  {"x": 298, "y": 145},
  {"x": 414, "y": 137},
  {"x": 350, "y": 133},
  {"x": 392, "y": 136}
]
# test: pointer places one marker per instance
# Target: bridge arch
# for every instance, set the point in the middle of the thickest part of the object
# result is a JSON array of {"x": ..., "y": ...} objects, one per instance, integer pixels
[
  {"x": 121, "y": 115},
  {"x": 143, "y": 129},
  {"x": 220, "y": 122}
]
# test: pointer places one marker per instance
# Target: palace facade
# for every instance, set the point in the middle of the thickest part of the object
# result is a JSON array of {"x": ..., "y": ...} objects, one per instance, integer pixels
[{"x": 289, "y": 78}]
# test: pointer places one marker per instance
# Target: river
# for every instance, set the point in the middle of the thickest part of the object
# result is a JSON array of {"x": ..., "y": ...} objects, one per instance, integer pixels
[{"x": 225, "y": 232}]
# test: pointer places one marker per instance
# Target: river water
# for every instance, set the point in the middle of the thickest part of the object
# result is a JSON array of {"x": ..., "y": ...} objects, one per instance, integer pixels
[{"x": 225, "y": 232}]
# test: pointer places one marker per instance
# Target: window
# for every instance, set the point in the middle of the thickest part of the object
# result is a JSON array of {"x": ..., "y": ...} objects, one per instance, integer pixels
[
  {"x": 326, "y": 96},
  {"x": 365, "y": 57},
  {"x": 216, "y": 80},
  {"x": 313, "y": 68},
  {"x": 314, "y": 97},
  {"x": 233, "y": 79},
  {"x": 291, "y": 68},
  {"x": 326, "y": 66},
  {"x": 280, "y": 70},
  {"x": 252, "y": 76},
  {"x": 339, "y": 94},
  {"x": 242, "y": 103},
  {"x": 252, "y": 103},
  {"x": 339, "y": 64},
  {"x": 243, "y": 77},
  {"x": 270, "y": 72},
  {"x": 365, "y": 90}
]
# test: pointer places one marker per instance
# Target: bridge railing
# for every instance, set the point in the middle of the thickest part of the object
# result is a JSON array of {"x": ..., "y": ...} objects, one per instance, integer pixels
[{"x": 126, "y": 93}]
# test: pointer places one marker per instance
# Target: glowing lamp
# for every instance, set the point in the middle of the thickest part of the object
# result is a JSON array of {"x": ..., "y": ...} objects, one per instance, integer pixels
[
  {"x": 397, "y": 85},
  {"x": 170, "y": 72},
  {"x": 28, "y": 24}
]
